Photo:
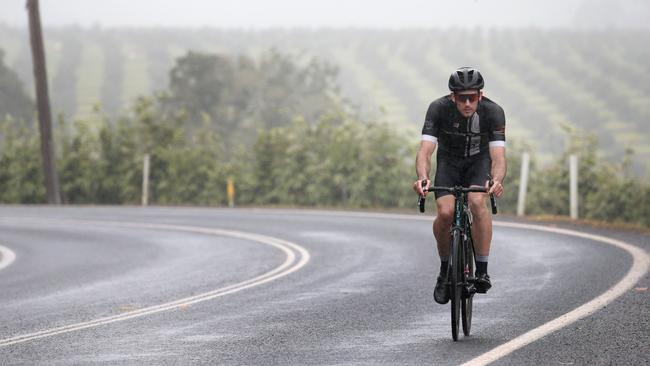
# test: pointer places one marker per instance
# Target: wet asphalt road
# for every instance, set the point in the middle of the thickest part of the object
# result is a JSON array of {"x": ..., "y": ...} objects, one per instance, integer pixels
[{"x": 364, "y": 297}]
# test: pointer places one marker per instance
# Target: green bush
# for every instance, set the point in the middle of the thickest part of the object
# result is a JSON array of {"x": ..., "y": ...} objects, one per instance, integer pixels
[
  {"x": 336, "y": 162},
  {"x": 331, "y": 164},
  {"x": 21, "y": 174},
  {"x": 606, "y": 191}
]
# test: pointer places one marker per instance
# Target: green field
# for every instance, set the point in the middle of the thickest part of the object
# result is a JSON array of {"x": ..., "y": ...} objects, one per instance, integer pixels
[{"x": 596, "y": 81}]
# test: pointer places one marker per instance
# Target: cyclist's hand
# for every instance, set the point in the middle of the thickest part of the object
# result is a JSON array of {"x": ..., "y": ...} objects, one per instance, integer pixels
[
  {"x": 496, "y": 188},
  {"x": 421, "y": 191}
]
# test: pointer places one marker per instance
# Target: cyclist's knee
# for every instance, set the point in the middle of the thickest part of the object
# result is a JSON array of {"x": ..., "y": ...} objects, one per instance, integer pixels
[
  {"x": 445, "y": 213},
  {"x": 477, "y": 204}
]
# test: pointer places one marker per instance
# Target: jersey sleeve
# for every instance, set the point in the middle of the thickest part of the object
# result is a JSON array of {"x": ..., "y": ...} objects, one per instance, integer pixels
[
  {"x": 431, "y": 125},
  {"x": 498, "y": 131}
]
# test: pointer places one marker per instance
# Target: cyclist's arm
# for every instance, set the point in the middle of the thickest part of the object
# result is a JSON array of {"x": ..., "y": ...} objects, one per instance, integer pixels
[
  {"x": 498, "y": 150},
  {"x": 423, "y": 164},
  {"x": 427, "y": 148},
  {"x": 499, "y": 166},
  {"x": 498, "y": 169},
  {"x": 423, "y": 158}
]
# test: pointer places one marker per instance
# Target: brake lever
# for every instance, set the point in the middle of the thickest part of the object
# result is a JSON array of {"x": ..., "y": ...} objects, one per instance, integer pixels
[
  {"x": 493, "y": 200},
  {"x": 422, "y": 199}
]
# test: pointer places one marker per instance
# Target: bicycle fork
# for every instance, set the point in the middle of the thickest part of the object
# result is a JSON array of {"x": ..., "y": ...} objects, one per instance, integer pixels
[{"x": 468, "y": 278}]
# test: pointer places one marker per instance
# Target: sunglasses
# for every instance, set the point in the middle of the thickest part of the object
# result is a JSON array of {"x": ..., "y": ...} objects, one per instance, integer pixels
[{"x": 463, "y": 98}]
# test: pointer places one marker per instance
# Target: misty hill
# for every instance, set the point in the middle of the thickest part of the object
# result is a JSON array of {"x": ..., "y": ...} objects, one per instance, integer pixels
[{"x": 594, "y": 80}]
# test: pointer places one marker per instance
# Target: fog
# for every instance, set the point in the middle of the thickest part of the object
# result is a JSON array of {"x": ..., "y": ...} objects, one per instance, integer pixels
[{"x": 336, "y": 14}]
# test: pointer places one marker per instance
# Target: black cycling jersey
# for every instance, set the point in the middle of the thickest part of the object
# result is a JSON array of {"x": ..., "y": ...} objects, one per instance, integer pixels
[{"x": 464, "y": 137}]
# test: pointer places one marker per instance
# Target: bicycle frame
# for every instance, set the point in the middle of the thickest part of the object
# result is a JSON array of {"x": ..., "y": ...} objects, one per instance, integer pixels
[
  {"x": 463, "y": 224},
  {"x": 459, "y": 210}
]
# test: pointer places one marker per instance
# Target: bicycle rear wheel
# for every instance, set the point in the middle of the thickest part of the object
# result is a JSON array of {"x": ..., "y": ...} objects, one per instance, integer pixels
[
  {"x": 455, "y": 283},
  {"x": 468, "y": 298}
]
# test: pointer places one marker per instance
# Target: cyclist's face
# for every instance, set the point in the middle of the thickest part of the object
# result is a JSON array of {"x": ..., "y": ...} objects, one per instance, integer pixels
[{"x": 467, "y": 101}]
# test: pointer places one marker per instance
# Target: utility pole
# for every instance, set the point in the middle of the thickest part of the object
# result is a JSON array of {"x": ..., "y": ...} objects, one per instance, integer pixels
[{"x": 43, "y": 103}]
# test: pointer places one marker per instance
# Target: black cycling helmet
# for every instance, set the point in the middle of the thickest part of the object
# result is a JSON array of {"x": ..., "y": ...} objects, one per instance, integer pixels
[{"x": 466, "y": 78}]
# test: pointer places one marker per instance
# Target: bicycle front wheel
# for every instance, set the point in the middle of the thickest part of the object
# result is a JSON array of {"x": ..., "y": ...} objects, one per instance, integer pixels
[
  {"x": 468, "y": 298},
  {"x": 455, "y": 283}
]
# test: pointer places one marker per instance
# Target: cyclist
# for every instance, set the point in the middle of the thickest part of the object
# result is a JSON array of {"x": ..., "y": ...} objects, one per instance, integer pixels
[{"x": 469, "y": 130}]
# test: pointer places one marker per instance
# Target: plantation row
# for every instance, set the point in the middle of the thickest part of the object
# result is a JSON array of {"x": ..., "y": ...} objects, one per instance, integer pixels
[{"x": 596, "y": 81}]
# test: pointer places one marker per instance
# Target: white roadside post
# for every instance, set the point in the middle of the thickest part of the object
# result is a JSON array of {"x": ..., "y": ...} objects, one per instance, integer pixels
[
  {"x": 523, "y": 184},
  {"x": 145, "y": 180},
  {"x": 573, "y": 174}
]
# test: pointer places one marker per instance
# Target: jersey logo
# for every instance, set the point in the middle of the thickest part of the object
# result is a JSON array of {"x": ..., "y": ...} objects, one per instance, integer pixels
[{"x": 476, "y": 125}]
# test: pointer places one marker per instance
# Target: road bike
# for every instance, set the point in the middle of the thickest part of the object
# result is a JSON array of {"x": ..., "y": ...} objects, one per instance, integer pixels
[{"x": 460, "y": 271}]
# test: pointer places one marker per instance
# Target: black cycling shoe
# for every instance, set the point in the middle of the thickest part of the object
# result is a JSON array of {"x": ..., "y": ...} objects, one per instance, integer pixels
[
  {"x": 482, "y": 283},
  {"x": 440, "y": 293}
]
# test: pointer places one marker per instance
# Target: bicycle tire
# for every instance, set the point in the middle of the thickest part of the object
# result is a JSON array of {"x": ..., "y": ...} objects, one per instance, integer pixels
[
  {"x": 468, "y": 300},
  {"x": 455, "y": 285}
]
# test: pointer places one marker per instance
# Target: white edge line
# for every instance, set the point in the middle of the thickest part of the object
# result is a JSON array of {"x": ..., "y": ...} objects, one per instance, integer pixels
[
  {"x": 7, "y": 257},
  {"x": 286, "y": 268},
  {"x": 641, "y": 262}
]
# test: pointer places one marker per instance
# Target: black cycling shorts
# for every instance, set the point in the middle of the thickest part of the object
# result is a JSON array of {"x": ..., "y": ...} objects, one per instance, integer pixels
[{"x": 453, "y": 171}]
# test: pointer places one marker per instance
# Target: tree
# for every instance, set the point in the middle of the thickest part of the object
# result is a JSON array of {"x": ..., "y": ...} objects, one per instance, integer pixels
[
  {"x": 240, "y": 96},
  {"x": 208, "y": 84},
  {"x": 286, "y": 90},
  {"x": 21, "y": 173},
  {"x": 14, "y": 101}
]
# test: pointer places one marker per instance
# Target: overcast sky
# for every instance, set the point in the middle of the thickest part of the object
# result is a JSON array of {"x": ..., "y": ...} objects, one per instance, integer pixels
[{"x": 331, "y": 13}]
